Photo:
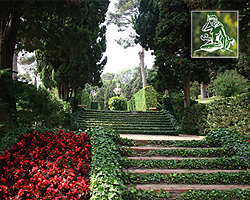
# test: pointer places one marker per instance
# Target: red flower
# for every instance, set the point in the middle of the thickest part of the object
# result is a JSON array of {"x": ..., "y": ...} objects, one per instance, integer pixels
[
  {"x": 248, "y": 141},
  {"x": 46, "y": 166}
]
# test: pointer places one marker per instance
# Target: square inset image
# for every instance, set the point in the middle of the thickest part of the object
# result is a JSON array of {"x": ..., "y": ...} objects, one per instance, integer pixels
[{"x": 214, "y": 34}]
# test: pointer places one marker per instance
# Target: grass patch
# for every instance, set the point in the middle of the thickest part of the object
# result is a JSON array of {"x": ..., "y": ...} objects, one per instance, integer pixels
[{"x": 208, "y": 100}]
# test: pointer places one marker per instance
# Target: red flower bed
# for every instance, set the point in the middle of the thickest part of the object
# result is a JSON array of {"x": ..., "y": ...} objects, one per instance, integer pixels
[{"x": 46, "y": 166}]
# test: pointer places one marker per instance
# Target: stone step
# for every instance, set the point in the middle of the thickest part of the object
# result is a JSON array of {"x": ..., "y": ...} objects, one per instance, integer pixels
[
  {"x": 180, "y": 188},
  {"x": 127, "y": 124},
  {"x": 182, "y": 171},
  {"x": 152, "y": 148},
  {"x": 146, "y": 138},
  {"x": 147, "y": 132},
  {"x": 129, "y": 127},
  {"x": 115, "y": 112},
  {"x": 170, "y": 158},
  {"x": 127, "y": 119}
]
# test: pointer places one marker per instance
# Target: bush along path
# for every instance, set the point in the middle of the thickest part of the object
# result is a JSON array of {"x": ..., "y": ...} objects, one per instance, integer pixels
[
  {"x": 124, "y": 122},
  {"x": 214, "y": 168}
]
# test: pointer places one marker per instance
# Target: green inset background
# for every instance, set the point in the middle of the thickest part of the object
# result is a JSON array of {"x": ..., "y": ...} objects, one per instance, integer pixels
[{"x": 230, "y": 22}]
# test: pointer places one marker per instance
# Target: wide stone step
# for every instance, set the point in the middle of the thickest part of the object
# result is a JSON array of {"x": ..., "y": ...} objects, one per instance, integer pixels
[
  {"x": 147, "y": 132},
  {"x": 146, "y": 138},
  {"x": 114, "y": 112},
  {"x": 179, "y": 188},
  {"x": 170, "y": 158},
  {"x": 182, "y": 171},
  {"x": 129, "y": 124},
  {"x": 152, "y": 148},
  {"x": 137, "y": 131},
  {"x": 126, "y": 119},
  {"x": 138, "y": 128}
]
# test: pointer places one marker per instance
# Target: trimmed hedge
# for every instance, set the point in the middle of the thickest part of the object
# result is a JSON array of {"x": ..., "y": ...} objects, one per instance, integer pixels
[
  {"x": 232, "y": 112},
  {"x": 144, "y": 99},
  {"x": 194, "y": 119},
  {"x": 117, "y": 103},
  {"x": 174, "y": 103}
]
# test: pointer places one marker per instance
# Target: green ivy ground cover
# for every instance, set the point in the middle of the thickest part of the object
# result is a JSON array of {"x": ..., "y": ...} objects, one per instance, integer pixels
[
  {"x": 178, "y": 152},
  {"x": 107, "y": 177},
  {"x": 218, "y": 163},
  {"x": 231, "y": 194},
  {"x": 180, "y": 143},
  {"x": 106, "y": 174},
  {"x": 241, "y": 177}
]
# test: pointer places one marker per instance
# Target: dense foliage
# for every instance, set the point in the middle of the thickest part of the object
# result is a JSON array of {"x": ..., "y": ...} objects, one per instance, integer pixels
[
  {"x": 118, "y": 103},
  {"x": 144, "y": 99},
  {"x": 232, "y": 112},
  {"x": 106, "y": 172},
  {"x": 194, "y": 119},
  {"x": 69, "y": 37},
  {"x": 230, "y": 83},
  {"x": 39, "y": 108},
  {"x": 239, "y": 194},
  {"x": 129, "y": 79},
  {"x": 165, "y": 28},
  {"x": 241, "y": 177},
  {"x": 46, "y": 166},
  {"x": 77, "y": 59}
]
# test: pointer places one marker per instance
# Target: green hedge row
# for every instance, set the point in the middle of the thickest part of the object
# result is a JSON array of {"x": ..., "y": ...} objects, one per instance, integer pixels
[
  {"x": 143, "y": 100},
  {"x": 231, "y": 112}
]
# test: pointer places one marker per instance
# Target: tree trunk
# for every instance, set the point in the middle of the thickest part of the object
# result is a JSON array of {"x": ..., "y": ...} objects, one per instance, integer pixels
[
  {"x": 187, "y": 92},
  {"x": 8, "y": 32},
  {"x": 203, "y": 91},
  {"x": 143, "y": 74},
  {"x": 14, "y": 68}
]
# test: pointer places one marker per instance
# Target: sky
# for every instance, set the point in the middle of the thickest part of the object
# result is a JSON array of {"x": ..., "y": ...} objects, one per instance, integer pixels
[{"x": 118, "y": 57}]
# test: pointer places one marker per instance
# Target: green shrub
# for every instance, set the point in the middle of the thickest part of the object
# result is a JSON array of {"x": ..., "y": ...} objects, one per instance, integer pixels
[
  {"x": 144, "y": 99},
  {"x": 230, "y": 83},
  {"x": 131, "y": 104},
  {"x": 216, "y": 138},
  {"x": 94, "y": 105},
  {"x": 232, "y": 112},
  {"x": 194, "y": 119},
  {"x": 84, "y": 98},
  {"x": 232, "y": 143},
  {"x": 38, "y": 108},
  {"x": 117, "y": 103},
  {"x": 174, "y": 103}
]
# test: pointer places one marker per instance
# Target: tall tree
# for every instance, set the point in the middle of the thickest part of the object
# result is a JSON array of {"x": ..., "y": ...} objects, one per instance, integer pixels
[
  {"x": 170, "y": 40},
  {"x": 165, "y": 27},
  {"x": 50, "y": 26},
  {"x": 123, "y": 17},
  {"x": 10, "y": 12},
  {"x": 77, "y": 59}
]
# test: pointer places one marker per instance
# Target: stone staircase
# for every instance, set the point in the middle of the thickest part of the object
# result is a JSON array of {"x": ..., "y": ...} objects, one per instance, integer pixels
[
  {"x": 124, "y": 122},
  {"x": 143, "y": 151}
]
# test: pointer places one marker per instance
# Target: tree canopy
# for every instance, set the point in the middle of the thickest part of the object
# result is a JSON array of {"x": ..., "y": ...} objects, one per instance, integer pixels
[
  {"x": 165, "y": 27},
  {"x": 69, "y": 38}
]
